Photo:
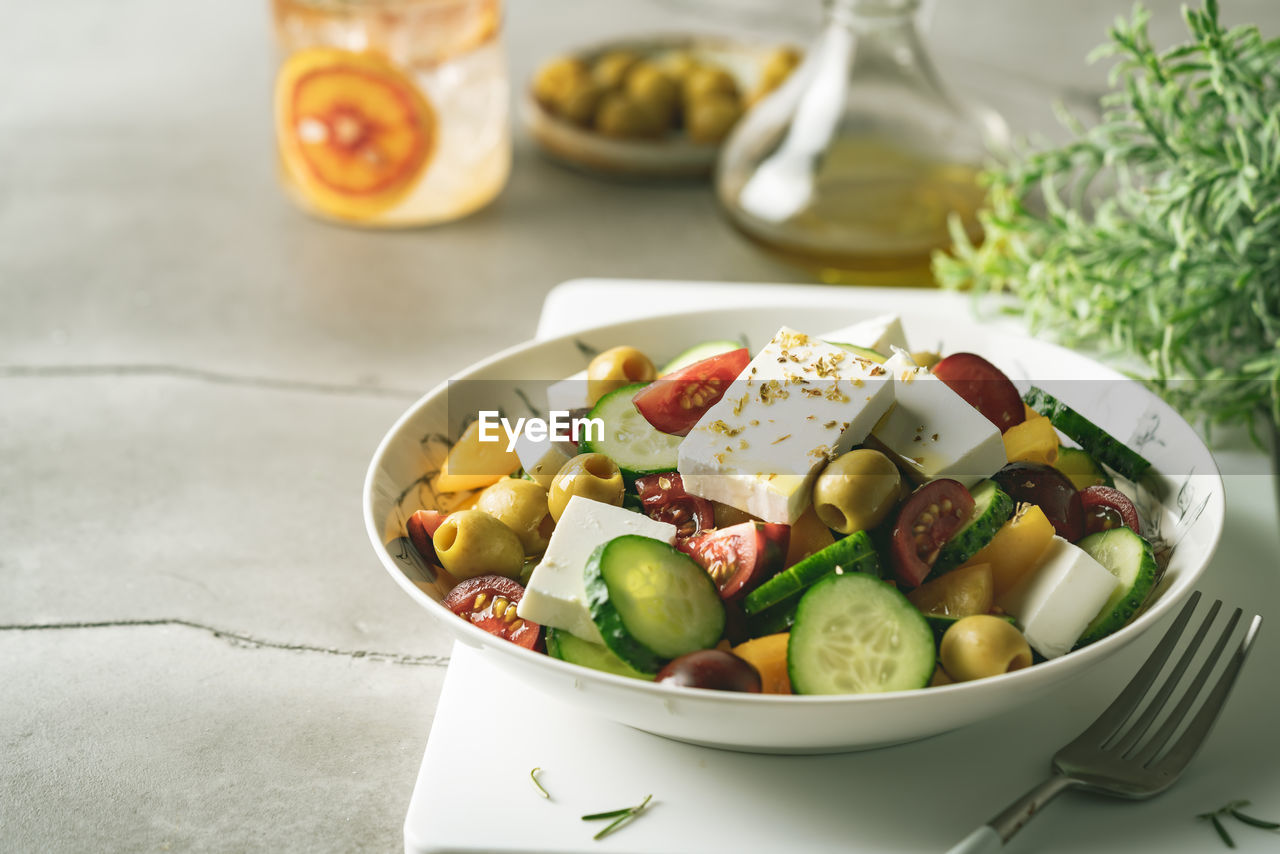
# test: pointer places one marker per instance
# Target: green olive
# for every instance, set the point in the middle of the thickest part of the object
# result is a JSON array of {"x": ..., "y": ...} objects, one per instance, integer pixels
[
  {"x": 622, "y": 116},
  {"x": 579, "y": 100},
  {"x": 471, "y": 543},
  {"x": 708, "y": 80},
  {"x": 555, "y": 77},
  {"x": 856, "y": 491},
  {"x": 653, "y": 88},
  {"x": 610, "y": 70},
  {"x": 709, "y": 118},
  {"x": 680, "y": 65},
  {"x": 980, "y": 646},
  {"x": 777, "y": 67},
  {"x": 616, "y": 367},
  {"x": 521, "y": 505},
  {"x": 593, "y": 476}
]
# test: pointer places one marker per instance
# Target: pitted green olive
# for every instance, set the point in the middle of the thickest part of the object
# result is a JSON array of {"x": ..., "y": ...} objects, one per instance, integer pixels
[
  {"x": 471, "y": 543},
  {"x": 616, "y": 367},
  {"x": 593, "y": 476},
  {"x": 980, "y": 646},
  {"x": 856, "y": 491},
  {"x": 521, "y": 505}
]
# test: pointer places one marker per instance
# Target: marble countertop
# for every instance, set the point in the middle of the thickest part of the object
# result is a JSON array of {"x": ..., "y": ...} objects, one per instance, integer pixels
[{"x": 198, "y": 650}]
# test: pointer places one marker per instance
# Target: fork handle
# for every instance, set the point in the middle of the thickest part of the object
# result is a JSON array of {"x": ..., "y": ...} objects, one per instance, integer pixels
[{"x": 991, "y": 837}]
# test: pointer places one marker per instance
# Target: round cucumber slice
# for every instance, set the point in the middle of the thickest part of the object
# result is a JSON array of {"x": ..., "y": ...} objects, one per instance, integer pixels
[
  {"x": 571, "y": 648},
  {"x": 992, "y": 507},
  {"x": 1081, "y": 468},
  {"x": 1129, "y": 558},
  {"x": 855, "y": 634},
  {"x": 628, "y": 439},
  {"x": 698, "y": 352},
  {"x": 854, "y": 553},
  {"x": 651, "y": 602}
]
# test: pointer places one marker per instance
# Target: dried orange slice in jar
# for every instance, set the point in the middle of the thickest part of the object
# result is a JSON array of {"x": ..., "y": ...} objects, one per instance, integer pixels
[{"x": 355, "y": 134}]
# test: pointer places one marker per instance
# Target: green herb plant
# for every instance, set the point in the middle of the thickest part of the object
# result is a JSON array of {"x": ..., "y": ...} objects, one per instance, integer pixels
[{"x": 1155, "y": 232}]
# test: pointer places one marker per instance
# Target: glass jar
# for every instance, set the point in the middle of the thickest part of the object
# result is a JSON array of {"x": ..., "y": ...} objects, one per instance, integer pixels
[
  {"x": 391, "y": 112},
  {"x": 852, "y": 168}
]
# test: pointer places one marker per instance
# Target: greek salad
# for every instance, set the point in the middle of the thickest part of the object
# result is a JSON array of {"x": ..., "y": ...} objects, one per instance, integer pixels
[{"x": 830, "y": 514}]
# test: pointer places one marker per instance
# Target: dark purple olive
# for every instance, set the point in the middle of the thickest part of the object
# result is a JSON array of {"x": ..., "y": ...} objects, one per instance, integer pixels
[
  {"x": 713, "y": 669},
  {"x": 1048, "y": 488}
]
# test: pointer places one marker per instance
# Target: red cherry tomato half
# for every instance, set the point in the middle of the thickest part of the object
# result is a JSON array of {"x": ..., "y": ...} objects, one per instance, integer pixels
[
  {"x": 984, "y": 387},
  {"x": 1096, "y": 500},
  {"x": 1050, "y": 490},
  {"x": 489, "y": 601},
  {"x": 421, "y": 527},
  {"x": 674, "y": 403},
  {"x": 931, "y": 516},
  {"x": 664, "y": 499},
  {"x": 741, "y": 557}
]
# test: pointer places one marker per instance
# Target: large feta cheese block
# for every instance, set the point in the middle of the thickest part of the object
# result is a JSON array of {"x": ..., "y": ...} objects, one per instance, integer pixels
[
  {"x": 556, "y": 594},
  {"x": 1055, "y": 601},
  {"x": 881, "y": 334},
  {"x": 800, "y": 402},
  {"x": 542, "y": 457},
  {"x": 933, "y": 432},
  {"x": 569, "y": 393}
]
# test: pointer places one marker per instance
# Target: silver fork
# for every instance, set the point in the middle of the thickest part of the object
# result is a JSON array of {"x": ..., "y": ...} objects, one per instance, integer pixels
[{"x": 1109, "y": 759}]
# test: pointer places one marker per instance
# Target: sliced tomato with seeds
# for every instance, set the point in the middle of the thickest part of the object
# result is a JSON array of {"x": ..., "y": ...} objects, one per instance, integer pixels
[
  {"x": 1106, "y": 508},
  {"x": 930, "y": 516},
  {"x": 489, "y": 601},
  {"x": 662, "y": 497},
  {"x": 421, "y": 527},
  {"x": 741, "y": 557},
  {"x": 674, "y": 403},
  {"x": 984, "y": 387}
]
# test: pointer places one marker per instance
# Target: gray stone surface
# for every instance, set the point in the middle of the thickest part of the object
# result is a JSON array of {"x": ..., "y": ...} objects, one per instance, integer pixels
[{"x": 197, "y": 649}]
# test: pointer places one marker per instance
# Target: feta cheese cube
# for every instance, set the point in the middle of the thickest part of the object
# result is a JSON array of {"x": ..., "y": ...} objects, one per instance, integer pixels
[
  {"x": 569, "y": 393},
  {"x": 933, "y": 432},
  {"x": 799, "y": 402},
  {"x": 1055, "y": 601},
  {"x": 556, "y": 594},
  {"x": 881, "y": 334},
  {"x": 541, "y": 458}
]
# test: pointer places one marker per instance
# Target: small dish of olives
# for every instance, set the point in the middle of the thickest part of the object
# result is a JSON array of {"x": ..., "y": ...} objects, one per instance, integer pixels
[{"x": 650, "y": 107}]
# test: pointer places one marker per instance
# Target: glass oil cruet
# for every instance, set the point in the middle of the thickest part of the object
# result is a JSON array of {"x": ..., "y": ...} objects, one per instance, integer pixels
[{"x": 852, "y": 168}]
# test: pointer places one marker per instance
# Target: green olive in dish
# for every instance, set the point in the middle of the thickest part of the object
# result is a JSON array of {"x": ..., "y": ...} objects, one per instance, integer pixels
[
  {"x": 593, "y": 476},
  {"x": 982, "y": 645},
  {"x": 554, "y": 79},
  {"x": 616, "y": 367},
  {"x": 579, "y": 101},
  {"x": 611, "y": 69},
  {"x": 654, "y": 89},
  {"x": 708, "y": 80},
  {"x": 856, "y": 491},
  {"x": 521, "y": 505},
  {"x": 622, "y": 116},
  {"x": 471, "y": 542},
  {"x": 709, "y": 118}
]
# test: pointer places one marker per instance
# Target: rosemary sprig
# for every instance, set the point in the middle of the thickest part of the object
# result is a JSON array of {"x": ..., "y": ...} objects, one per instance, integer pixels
[
  {"x": 533, "y": 777},
  {"x": 620, "y": 817},
  {"x": 1156, "y": 232},
  {"x": 1233, "y": 809}
]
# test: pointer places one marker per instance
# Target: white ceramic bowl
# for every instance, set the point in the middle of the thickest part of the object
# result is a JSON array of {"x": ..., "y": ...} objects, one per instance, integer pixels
[{"x": 1189, "y": 519}]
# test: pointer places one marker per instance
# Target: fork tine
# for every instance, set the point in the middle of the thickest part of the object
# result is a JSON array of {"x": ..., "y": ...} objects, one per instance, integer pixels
[
  {"x": 1189, "y": 696},
  {"x": 1157, "y": 703},
  {"x": 1110, "y": 720},
  {"x": 1187, "y": 745}
]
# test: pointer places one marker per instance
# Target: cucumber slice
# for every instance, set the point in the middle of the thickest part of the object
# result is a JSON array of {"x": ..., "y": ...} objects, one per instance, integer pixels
[
  {"x": 1081, "y": 468},
  {"x": 855, "y": 634},
  {"x": 628, "y": 439},
  {"x": 651, "y": 602},
  {"x": 853, "y": 553},
  {"x": 698, "y": 352},
  {"x": 1129, "y": 558},
  {"x": 992, "y": 507},
  {"x": 1098, "y": 443},
  {"x": 571, "y": 648},
  {"x": 865, "y": 352},
  {"x": 941, "y": 622}
]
